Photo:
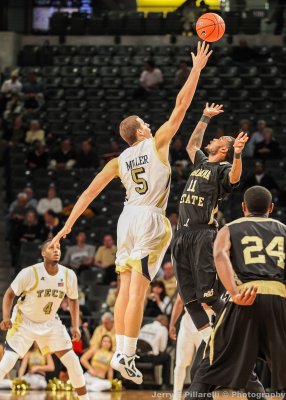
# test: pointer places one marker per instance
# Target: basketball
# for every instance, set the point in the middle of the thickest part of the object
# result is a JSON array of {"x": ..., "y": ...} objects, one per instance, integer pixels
[{"x": 210, "y": 27}]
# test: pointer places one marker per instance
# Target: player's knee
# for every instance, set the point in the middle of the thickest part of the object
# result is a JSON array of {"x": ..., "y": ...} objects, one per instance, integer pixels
[
  {"x": 71, "y": 361},
  {"x": 7, "y": 363}
]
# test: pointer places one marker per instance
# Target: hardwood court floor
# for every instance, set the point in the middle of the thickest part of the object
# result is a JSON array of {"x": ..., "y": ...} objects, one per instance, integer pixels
[{"x": 125, "y": 395}]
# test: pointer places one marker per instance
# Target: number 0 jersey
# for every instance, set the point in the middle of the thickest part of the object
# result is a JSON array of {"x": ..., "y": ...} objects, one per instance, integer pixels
[
  {"x": 145, "y": 177},
  {"x": 258, "y": 249},
  {"x": 40, "y": 293}
]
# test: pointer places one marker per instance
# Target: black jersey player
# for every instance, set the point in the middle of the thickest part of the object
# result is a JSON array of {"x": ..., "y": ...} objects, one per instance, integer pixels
[
  {"x": 249, "y": 255},
  {"x": 192, "y": 248}
]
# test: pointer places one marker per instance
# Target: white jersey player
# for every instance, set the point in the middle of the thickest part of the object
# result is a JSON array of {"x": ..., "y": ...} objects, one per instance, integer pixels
[
  {"x": 41, "y": 289},
  {"x": 143, "y": 231}
]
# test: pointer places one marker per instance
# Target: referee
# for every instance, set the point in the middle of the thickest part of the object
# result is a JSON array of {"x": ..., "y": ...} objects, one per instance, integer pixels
[{"x": 212, "y": 179}]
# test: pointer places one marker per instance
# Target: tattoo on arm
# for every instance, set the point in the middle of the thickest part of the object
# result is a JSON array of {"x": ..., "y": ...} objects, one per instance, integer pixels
[{"x": 196, "y": 140}]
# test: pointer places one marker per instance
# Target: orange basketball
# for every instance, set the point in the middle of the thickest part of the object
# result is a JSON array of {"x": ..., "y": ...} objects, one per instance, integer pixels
[{"x": 210, "y": 27}]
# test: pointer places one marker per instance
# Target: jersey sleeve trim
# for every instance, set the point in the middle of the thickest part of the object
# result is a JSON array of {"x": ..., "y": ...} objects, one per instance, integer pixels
[
  {"x": 254, "y": 219},
  {"x": 67, "y": 279},
  {"x": 166, "y": 164},
  {"x": 37, "y": 279}
]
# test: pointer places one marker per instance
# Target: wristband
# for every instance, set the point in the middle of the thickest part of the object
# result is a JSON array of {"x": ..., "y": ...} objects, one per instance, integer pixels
[
  {"x": 237, "y": 156},
  {"x": 205, "y": 119}
]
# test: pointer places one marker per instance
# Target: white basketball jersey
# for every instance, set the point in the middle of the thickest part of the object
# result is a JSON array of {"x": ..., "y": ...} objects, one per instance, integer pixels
[
  {"x": 145, "y": 177},
  {"x": 40, "y": 293}
]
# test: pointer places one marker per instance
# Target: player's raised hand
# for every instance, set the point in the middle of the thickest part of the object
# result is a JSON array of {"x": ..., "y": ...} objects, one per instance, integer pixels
[
  {"x": 240, "y": 142},
  {"x": 212, "y": 110},
  {"x": 6, "y": 324},
  {"x": 76, "y": 335},
  {"x": 62, "y": 234},
  {"x": 201, "y": 58},
  {"x": 246, "y": 297}
]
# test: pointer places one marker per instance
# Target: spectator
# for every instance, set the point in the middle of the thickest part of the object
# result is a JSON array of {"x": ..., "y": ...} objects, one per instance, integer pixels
[
  {"x": 169, "y": 279},
  {"x": 178, "y": 151},
  {"x": 30, "y": 230},
  {"x": 158, "y": 302},
  {"x": 13, "y": 107},
  {"x": 97, "y": 363},
  {"x": 51, "y": 225},
  {"x": 105, "y": 259},
  {"x": 12, "y": 85},
  {"x": 87, "y": 157},
  {"x": 16, "y": 132},
  {"x": 149, "y": 80},
  {"x": 204, "y": 8},
  {"x": 28, "y": 195},
  {"x": 112, "y": 294},
  {"x": 156, "y": 335},
  {"x": 115, "y": 151},
  {"x": 269, "y": 148},
  {"x": 32, "y": 86},
  {"x": 18, "y": 208},
  {"x": 243, "y": 53},
  {"x": 38, "y": 157},
  {"x": 182, "y": 74},
  {"x": 65, "y": 157},
  {"x": 106, "y": 328},
  {"x": 81, "y": 255},
  {"x": 51, "y": 202},
  {"x": 32, "y": 202},
  {"x": 173, "y": 218},
  {"x": 190, "y": 14},
  {"x": 257, "y": 136},
  {"x": 261, "y": 178},
  {"x": 35, "y": 134},
  {"x": 179, "y": 171},
  {"x": 37, "y": 366}
]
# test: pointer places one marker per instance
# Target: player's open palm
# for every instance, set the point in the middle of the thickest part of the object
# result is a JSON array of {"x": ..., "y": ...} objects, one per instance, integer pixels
[
  {"x": 246, "y": 297},
  {"x": 240, "y": 142},
  {"x": 202, "y": 56},
  {"x": 5, "y": 325},
  {"x": 213, "y": 110}
]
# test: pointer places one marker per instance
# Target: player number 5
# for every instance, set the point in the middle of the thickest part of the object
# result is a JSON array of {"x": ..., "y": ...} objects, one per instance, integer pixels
[
  {"x": 136, "y": 172},
  {"x": 48, "y": 308}
]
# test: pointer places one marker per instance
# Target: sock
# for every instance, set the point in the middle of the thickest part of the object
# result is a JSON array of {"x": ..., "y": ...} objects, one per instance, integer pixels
[
  {"x": 130, "y": 345},
  {"x": 205, "y": 333},
  {"x": 83, "y": 397},
  {"x": 119, "y": 343}
]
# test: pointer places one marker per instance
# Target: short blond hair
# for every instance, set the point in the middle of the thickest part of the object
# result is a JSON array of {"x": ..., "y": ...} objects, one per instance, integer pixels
[{"x": 128, "y": 128}]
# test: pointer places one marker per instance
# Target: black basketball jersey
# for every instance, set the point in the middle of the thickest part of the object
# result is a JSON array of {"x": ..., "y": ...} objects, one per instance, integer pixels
[
  {"x": 206, "y": 186},
  {"x": 258, "y": 247}
]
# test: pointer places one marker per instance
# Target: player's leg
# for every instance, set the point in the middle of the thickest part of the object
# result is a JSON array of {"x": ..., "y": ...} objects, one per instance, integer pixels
[
  {"x": 185, "y": 352},
  {"x": 8, "y": 362},
  {"x": 183, "y": 251},
  {"x": 119, "y": 315},
  {"x": 71, "y": 361},
  {"x": 207, "y": 285}
]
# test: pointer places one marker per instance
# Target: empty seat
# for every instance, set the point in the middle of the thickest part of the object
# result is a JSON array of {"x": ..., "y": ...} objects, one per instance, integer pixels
[
  {"x": 251, "y": 82},
  {"x": 96, "y": 25},
  {"x": 70, "y": 71},
  {"x": 81, "y": 60},
  {"x": 90, "y": 82},
  {"x": 173, "y": 23},
  {"x": 78, "y": 23},
  {"x": 109, "y": 71},
  {"x": 154, "y": 23},
  {"x": 100, "y": 60},
  {"x": 134, "y": 23},
  {"x": 52, "y": 82},
  {"x": 50, "y": 71},
  {"x": 71, "y": 82},
  {"x": 62, "y": 60},
  {"x": 111, "y": 82},
  {"x": 59, "y": 22},
  {"x": 74, "y": 94},
  {"x": 89, "y": 71}
]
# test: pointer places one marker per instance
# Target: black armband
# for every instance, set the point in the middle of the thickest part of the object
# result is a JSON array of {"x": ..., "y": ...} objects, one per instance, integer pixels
[
  {"x": 237, "y": 156},
  {"x": 205, "y": 119}
]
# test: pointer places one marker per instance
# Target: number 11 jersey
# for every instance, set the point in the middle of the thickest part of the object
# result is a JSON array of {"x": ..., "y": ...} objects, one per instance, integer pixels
[{"x": 145, "y": 177}]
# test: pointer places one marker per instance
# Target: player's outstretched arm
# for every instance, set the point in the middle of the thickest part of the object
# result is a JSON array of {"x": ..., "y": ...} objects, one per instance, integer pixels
[
  {"x": 7, "y": 305},
  {"x": 166, "y": 132},
  {"x": 236, "y": 169},
  {"x": 196, "y": 139},
  {"x": 109, "y": 172},
  {"x": 176, "y": 312},
  {"x": 225, "y": 270}
]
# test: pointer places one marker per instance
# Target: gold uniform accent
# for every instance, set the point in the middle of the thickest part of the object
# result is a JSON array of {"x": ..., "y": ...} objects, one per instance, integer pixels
[
  {"x": 277, "y": 242},
  {"x": 254, "y": 219},
  {"x": 154, "y": 254},
  {"x": 143, "y": 185},
  {"x": 273, "y": 288},
  {"x": 212, "y": 336},
  {"x": 15, "y": 326}
]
